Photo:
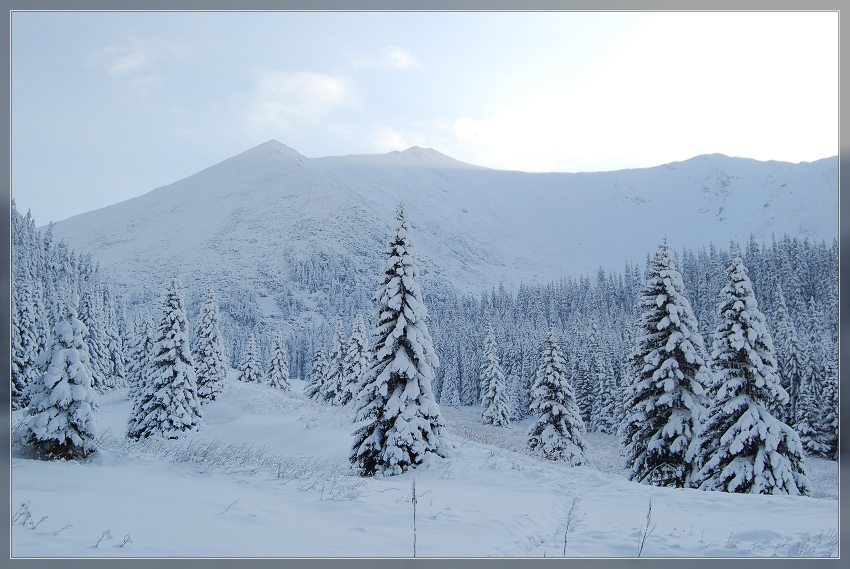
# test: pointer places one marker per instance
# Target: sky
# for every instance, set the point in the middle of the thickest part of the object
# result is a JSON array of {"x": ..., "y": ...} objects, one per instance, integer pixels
[{"x": 107, "y": 106}]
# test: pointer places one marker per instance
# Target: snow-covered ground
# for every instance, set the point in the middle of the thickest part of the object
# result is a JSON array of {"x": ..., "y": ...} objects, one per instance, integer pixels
[{"x": 268, "y": 476}]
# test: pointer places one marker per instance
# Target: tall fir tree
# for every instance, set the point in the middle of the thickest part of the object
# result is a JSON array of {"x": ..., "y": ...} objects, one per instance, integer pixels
[
  {"x": 604, "y": 417},
  {"x": 25, "y": 343},
  {"x": 494, "y": 394},
  {"x": 318, "y": 375},
  {"x": 580, "y": 371},
  {"x": 356, "y": 365},
  {"x": 518, "y": 394},
  {"x": 828, "y": 417},
  {"x": 742, "y": 447},
  {"x": 208, "y": 352},
  {"x": 789, "y": 358},
  {"x": 62, "y": 423},
  {"x": 556, "y": 432},
  {"x": 116, "y": 357},
  {"x": 336, "y": 374},
  {"x": 450, "y": 388},
  {"x": 250, "y": 371},
  {"x": 278, "y": 374},
  {"x": 169, "y": 404},
  {"x": 665, "y": 399},
  {"x": 141, "y": 356},
  {"x": 399, "y": 420},
  {"x": 807, "y": 417},
  {"x": 100, "y": 360},
  {"x": 602, "y": 380}
]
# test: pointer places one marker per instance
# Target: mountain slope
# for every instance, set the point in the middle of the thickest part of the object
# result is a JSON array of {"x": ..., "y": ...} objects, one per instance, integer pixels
[{"x": 265, "y": 214}]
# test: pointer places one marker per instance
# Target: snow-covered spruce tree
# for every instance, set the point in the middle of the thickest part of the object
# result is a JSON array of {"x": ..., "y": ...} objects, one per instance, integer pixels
[
  {"x": 604, "y": 415},
  {"x": 828, "y": 418},
  {"x": 278, "y": 374},
  {"x": 450, "y": 389},
  {"x": 556, "y": 433},
  {"x": 494, "y": 395},
  {"x": 63, "y": 404},
  {"x": 25, "y": 344},
  {"x": 335, "y": 374},
  {"x": 318, "y": 375},
  {"x": 357, "y": 363},
  {"x": 665, "y": 399},
  {"x": 600, "y": 378},
  {"x": 789, "y": 356},
  {"x": 141, "y": 356},
  {"x": 742, "y": 447},
  {"x": 400, "y": 421},
  {"x": 583, "y": 382},
  {"x": 99, "y": 357},
  {"x": 250, "y": 371},
  {"x": 807, "y": 417},
  {"x": 117, "y": 362},
  {"x": 169, "y": 403},
  {"x": 208, "y": 352}
]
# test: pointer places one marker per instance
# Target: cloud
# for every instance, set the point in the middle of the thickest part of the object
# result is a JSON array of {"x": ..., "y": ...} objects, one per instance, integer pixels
[
  {"x": 281, "y": 99},
  {"x": 122, "y": 59},
  {"x": 657, "y": 105},
  {"x": 135, "y": 54},
  {"x": 748, "y": 84},
  {"x": 397, "y": 58},
  {"x": 133, "y": 62},
  {"x": 385, "y": 138},
  {"x": 390, "y": 57}
]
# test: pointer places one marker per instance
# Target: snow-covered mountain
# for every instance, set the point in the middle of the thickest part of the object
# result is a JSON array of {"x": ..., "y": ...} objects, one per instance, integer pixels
[{"x": 268, "y": 213}]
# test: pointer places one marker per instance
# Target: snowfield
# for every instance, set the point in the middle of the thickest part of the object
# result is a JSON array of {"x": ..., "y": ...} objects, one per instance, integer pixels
[{"x": 268, "y": 476}]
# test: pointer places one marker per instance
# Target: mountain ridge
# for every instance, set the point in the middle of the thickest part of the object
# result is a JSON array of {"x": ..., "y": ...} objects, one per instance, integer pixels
[{"x": 270, "y": 208}]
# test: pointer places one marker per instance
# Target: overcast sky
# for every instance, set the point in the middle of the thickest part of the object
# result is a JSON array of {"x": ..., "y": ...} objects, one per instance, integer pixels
[{"x": 108, "y": 106}]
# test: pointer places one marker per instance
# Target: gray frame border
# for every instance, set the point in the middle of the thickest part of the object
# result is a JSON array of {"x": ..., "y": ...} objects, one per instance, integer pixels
[{"x": 407, "y": 5}]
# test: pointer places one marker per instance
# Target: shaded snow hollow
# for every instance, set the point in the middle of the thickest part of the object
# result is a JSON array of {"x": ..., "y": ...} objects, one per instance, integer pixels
[{"x": 268, "y": 476}]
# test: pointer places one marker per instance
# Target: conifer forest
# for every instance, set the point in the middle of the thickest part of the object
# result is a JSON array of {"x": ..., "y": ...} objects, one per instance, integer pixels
[{"x": 714, "y": 369}]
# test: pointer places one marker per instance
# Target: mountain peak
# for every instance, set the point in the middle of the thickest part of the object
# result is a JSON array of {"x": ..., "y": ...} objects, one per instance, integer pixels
[
  {"x": 269, "y": 152},
  {"x": 418, "y": 150},
  {"x": 428, "y": 157},
  {"x": 273, "y": 147}
]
